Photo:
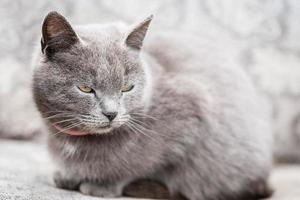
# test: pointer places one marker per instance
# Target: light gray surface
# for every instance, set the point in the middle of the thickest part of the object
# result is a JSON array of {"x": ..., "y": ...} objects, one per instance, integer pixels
[
  {"x": 26, "y": 174},
  {"x": 286, "y": 181}
]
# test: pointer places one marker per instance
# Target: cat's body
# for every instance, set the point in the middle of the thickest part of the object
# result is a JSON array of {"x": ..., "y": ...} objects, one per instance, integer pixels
[{"x": 199, "y": 127}]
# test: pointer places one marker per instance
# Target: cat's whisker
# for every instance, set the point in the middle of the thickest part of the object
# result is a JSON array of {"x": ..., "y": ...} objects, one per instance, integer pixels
[
  {"x": 141, "y": 122},
  {"x": 88, "y": 116},
  {"x": 56, "y": 111},
  {"x": 145, "y": 124},
  {"x": 66, "y": 120},
  {"x": 139, "y": 126},
  {"x": 122, "y": 121},
  {"x": 143, "y": 115},
  {"x": 133, "y": 126},
  {"x": 59, "y": 115},
  {"x": 130, "y": 128},
  {"x": 65, "y": 115},
  {"x": 148, "y": 130}
]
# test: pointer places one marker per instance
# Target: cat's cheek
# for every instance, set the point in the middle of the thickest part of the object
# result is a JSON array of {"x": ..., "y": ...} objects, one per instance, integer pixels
[
  {"x": 122, "y": 111},
  {"x": 130, "y": 101},
  {"x": 124, "y": 106}
]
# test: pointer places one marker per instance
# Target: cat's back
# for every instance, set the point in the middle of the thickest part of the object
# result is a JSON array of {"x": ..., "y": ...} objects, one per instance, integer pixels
[
  {"x": 196, "y": 63},
  {"x": 205, "y": 71},
  {"x": 182, "y": 51}
]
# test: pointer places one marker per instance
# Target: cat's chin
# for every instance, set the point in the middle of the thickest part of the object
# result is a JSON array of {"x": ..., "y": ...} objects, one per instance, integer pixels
[{"x": 103, "y": 130}]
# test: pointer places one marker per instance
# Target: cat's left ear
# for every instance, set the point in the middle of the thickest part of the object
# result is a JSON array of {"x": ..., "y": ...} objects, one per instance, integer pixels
[
  {"x": 57, "y": 34},
  {"x": 136, "y": 37}
]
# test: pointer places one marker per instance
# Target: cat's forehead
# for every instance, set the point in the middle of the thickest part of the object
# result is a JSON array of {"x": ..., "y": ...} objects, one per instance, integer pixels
[
  {"x": 102, "y": 44},
  {"x": 107, "y": 51},
  {"x": 105, "y": 61},
  {"x": 106, "y": 57},
  {"x": 99, "y": 55}
]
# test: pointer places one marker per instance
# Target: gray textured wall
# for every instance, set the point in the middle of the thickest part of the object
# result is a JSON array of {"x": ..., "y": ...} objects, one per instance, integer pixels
[{"x": 264, "y": 34}]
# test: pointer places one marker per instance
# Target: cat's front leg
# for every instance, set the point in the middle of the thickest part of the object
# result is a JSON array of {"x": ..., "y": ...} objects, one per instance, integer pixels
[
  {"x": 101, "y": 190},
  {"x": 64, "y": 181}
]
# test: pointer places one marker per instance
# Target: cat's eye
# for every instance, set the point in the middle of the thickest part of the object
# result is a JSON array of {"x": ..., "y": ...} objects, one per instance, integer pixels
[
  {"x": 127, "y": 88},
  {"x": 85, "y": 89}
]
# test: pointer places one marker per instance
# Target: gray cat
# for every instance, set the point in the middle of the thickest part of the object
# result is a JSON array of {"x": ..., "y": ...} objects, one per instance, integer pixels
[{"x": 168, "y": 113}]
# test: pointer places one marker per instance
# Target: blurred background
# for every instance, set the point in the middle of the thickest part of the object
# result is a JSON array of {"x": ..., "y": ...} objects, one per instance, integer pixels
[{"x": 264, "y": 36}]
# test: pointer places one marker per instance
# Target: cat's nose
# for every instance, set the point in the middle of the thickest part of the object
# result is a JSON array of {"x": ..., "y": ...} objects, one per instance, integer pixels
[{"x": 110, "y": 115}]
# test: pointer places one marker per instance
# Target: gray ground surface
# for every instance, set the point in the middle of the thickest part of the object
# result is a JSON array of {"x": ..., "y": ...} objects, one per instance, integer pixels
[{"x": 26, "y": 173}]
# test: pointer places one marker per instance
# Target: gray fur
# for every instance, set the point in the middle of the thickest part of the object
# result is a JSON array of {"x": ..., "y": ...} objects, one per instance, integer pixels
[{"x": 198, "y": 127}]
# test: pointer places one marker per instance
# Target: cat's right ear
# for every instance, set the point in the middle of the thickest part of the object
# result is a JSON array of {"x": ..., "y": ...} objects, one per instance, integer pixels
[
  {"x": 136, "y": 36},
  {"x": 57, "y": 34}
]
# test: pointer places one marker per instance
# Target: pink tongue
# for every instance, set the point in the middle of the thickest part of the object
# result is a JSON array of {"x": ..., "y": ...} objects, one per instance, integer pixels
[{"x": 71, "y": 132}]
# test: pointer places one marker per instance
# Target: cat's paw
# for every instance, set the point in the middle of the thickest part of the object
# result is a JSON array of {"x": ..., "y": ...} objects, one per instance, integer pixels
[
  {"x": 98, "y": 190},
  {"x": 263, "y": 190},
  {"x": 65, "y": 183}
]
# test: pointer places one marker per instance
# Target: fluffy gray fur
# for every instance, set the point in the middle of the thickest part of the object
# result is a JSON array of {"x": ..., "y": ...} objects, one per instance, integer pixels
[{"x": 199, "y": 128}]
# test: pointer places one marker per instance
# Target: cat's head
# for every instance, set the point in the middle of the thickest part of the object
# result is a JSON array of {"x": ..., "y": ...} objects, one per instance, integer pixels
[{"x": 91, "y": 80}]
